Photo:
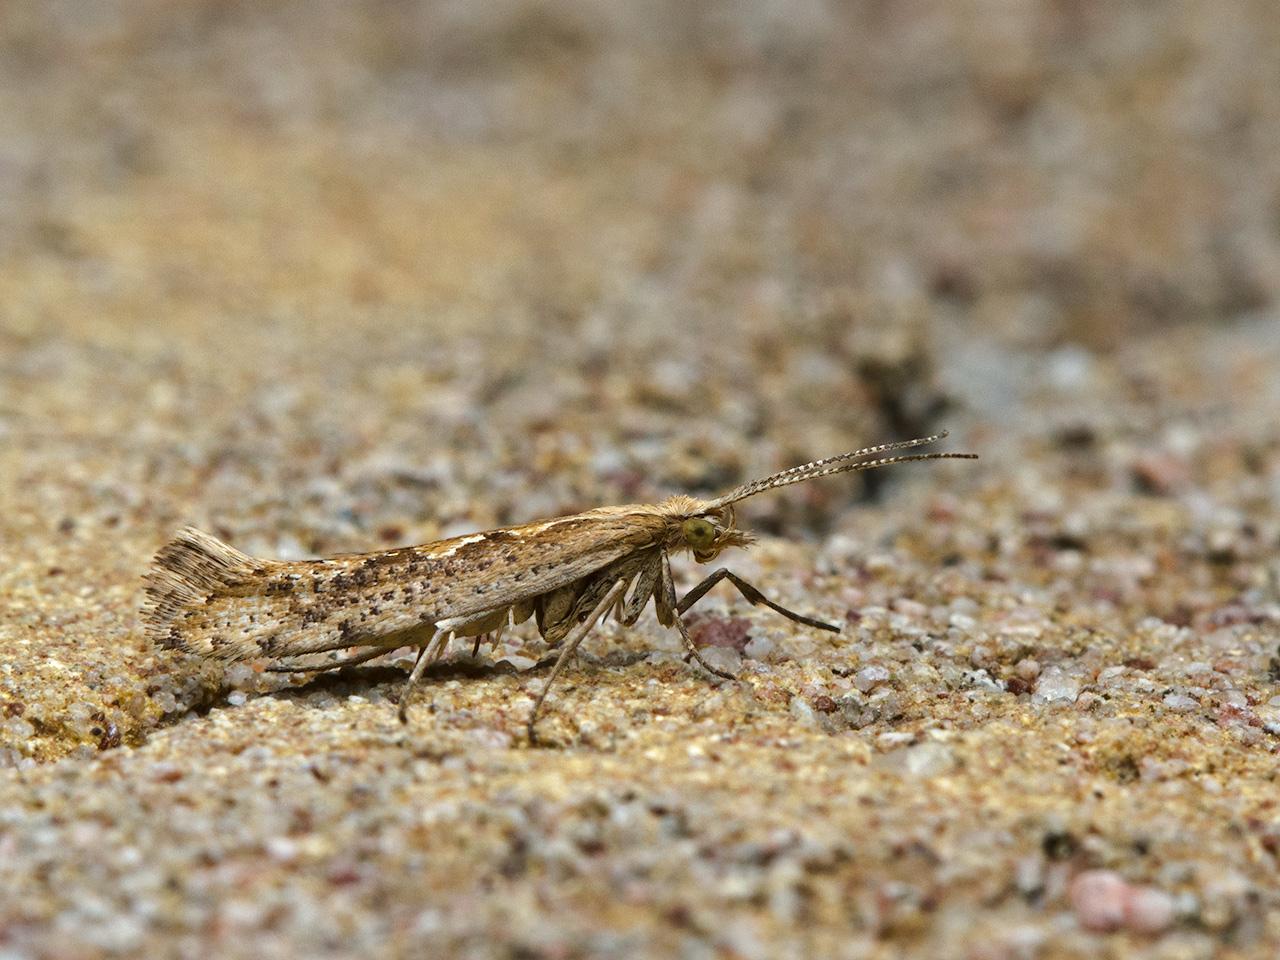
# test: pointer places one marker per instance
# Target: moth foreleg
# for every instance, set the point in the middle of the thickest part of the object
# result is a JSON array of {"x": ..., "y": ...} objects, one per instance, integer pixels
[
  {"x": 667, "y": 605},
  {"x": 575, "y": 637},
  {"x": 752, "y": 594}
]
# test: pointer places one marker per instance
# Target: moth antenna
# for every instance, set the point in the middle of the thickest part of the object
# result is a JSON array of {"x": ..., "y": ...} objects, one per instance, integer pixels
[{"x": 841, "y": 463}]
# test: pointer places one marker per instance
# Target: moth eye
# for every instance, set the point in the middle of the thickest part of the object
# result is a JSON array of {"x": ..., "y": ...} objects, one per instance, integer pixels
[{"x": 699, "y": 533}]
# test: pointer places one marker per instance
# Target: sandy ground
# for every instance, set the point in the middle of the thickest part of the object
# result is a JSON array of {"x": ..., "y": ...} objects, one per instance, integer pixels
[{"x": 340, "y": 276}]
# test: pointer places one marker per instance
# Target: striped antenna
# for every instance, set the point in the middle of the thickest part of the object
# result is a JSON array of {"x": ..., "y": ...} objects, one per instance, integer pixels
[{"x": 842, "y": 463}]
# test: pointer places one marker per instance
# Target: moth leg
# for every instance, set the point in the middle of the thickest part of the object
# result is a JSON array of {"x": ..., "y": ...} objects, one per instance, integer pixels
[
  {"x": 441, "y": 644},
  {"x": 752, "y": 594},
  {"x": 478, "y": 626},
  {"x": 495, "y": 638},
  {"x": 492, "y": 638},
  {"x": 646, "y": 586},
  {"x": 575, "y": 637},
  {"x": 419, "y": 665},
  {"x": 671, "y": 609},
  {"x": 361, "y": 657}
]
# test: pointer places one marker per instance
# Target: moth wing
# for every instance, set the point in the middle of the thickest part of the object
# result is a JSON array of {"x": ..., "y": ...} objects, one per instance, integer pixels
[
  {"x": 210, "y": 599},
  {"x": 514, "y": 565}
]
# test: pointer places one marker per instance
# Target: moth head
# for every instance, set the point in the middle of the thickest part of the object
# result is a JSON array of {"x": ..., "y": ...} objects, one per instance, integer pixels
[{"x": 706, "y": 533}]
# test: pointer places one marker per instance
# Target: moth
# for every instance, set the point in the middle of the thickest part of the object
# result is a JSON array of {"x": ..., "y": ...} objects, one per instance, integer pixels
[{"x": 208, "y": 598}]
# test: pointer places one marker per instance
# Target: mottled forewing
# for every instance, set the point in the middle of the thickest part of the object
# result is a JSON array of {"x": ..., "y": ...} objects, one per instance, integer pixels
[{"x": 304, "y": 606}]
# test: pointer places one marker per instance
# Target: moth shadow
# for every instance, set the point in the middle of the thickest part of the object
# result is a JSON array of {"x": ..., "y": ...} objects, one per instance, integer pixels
[{"x": 355, "y": 679}]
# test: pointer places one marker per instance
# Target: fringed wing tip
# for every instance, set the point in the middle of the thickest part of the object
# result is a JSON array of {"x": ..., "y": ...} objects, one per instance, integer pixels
[{"x": 186, "y": 571}]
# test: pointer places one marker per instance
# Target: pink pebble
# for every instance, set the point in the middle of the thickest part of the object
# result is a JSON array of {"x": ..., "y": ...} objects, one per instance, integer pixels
[
  {"x": 1099, "y": 898},
  {"x": 1148, "y": 910},
  {"x": 1104, "y": 901}
]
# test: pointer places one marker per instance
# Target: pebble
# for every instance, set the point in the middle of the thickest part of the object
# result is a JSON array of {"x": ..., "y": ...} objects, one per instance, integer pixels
[
  {"x": 1149, "y": 910},
  {"x": 868, "y": 678},
  {"x": 1235, "y": 698},
  {"x": 1180, "y": 702},
  {"x": 911, "y": 608},
  {"x": 803, "y": 712},
  {"x": 923, "y": 761},
  {"x": 1104, "y": 901},
  {"x": 281, "y": 849},
  {"x": 722, "y": 658},
  {"x": 1098, "y": 898},
  {"x": 731, "y": 632},
  {"x": 981, "y": 681},
  {"x": 1055, "y": 686}
]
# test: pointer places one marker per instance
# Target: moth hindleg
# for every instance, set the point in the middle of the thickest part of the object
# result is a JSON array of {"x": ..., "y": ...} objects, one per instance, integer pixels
[
  {"x": 575, "y": 637},
  {"x": 419, "y": 665},
  {"x": 362, "y": 657},
  {"x": 493, "y": 636},
  {"x": 752, "y": 594}
]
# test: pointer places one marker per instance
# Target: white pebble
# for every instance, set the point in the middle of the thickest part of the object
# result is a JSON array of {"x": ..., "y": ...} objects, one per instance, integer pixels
[
  {"x": 19, "y": 729},
  {"x": 925, "y": 760},
  {"x": 165, "y": 700},
  {"x": 240, "y": 675},
  {"x": 1148, "y": 910},
  {"x": 803, "y": 712},
  {"x": 868, "y": 678},
  {"x": 1235, "y": 698},
  {"x": 722, "y": 658},
  {"x": 1054, "y": 686},
  {"x": 1027, "y": 668},
  {"x": 281, "y": 849},
  {"x": 911, "y": 608},
  {"x": 1180, "y": 702}
]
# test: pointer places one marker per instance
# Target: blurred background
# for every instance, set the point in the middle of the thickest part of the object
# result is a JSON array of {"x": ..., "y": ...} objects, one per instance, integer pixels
[{"x": 400, "y": 253}]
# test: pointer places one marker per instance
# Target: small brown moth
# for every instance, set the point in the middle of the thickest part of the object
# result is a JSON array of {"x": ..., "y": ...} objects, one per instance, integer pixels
[{"x": 210, "y": 599}]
